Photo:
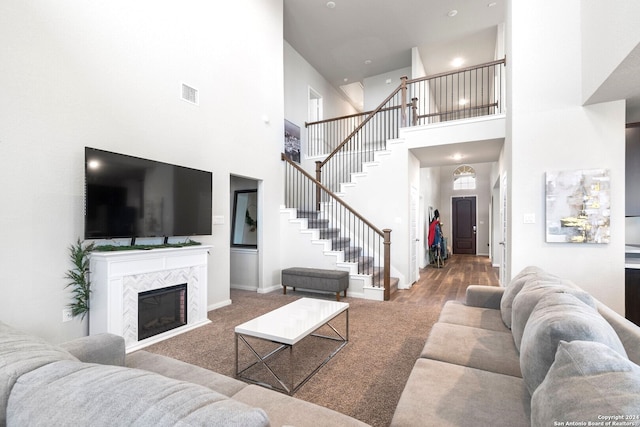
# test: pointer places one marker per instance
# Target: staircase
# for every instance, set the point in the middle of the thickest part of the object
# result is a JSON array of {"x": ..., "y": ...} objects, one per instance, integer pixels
[
  {"x": 354, "y": 244},
  {"x": 327, "y": 248},
  {"x": 356, "y": 142}
]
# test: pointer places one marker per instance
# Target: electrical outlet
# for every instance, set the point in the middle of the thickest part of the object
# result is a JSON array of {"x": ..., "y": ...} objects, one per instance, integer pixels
[{"x": 67, "y": 315}]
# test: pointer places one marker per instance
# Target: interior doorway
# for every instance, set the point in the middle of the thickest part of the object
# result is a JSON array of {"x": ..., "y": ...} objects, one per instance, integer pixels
[
  {"x": 464, "y": 228},
  {"x": 245, "y": 253},
  {"x": 315, "y": 106}
]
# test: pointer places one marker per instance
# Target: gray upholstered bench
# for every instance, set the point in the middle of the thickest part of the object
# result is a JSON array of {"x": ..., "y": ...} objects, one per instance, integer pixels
[{"x": 316, "y": 279}]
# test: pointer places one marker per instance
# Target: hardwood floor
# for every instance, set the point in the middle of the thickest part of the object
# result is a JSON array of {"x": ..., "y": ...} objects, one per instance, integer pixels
[{"x": 438, "y": 285}]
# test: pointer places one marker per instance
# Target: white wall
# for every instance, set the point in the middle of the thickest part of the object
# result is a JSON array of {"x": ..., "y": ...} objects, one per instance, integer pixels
[
  {"x": 108, "y": 75},
  {"x": 299, "y": 76},
  {"x": 378, "y": 88},
  {"x": 547, "y": 129},
  {"x": 417, "y": 67},
  {"x": 609, "y": 34}
]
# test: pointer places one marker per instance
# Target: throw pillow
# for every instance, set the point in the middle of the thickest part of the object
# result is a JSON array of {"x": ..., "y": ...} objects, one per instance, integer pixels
[
  {"x": 515, "y": 286},
  {"x": 530, "y": 295},
  {"x": 560, "y": 317},
  {"x": 587, "y": 382}
]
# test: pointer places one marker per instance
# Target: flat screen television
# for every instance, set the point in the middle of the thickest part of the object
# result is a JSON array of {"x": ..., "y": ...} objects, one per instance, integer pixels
[{"x": 127, "y": 196}]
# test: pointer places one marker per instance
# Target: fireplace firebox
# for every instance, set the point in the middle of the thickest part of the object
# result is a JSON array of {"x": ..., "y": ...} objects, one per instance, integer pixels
[{"x": 161, "y": 310}]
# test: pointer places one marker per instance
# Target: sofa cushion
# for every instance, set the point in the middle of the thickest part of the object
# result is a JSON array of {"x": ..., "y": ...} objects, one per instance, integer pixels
[
  {"x": 21, "y": 353},
  {"x": 458, "y": 313},
  {"x": 560, "y": 317},
  {"x": 183, "y": 371},
  {"x": 515, "y": 286},
  {"x": 627, "y": 331},
  {"x": 587, "y": 381},
  {"x": 473, "y": 347},
  {"x": 69, "y": 392},
  {"x": 286, "y": 410},
  {"x": 443, "y": 394},
  {"x": 105, "y": 349},
  {"x": 530, "y": 295},
  {"x": 484, "y": 296}
]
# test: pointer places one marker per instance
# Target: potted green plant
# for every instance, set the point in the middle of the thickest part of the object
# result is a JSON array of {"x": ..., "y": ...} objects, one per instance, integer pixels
[{"x": 78, "y": 277}]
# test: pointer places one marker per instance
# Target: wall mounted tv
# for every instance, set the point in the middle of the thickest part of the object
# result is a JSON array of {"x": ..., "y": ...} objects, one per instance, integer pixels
[{"x": 127, "y": 196}]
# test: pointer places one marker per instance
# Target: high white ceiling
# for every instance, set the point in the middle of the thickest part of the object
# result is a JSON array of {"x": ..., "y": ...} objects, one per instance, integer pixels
[
  {"x": 356, "y": 39},
  {"x": 338, "y": 41}
]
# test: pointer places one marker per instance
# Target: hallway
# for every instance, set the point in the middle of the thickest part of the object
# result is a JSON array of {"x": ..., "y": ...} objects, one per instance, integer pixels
[{"x": 438, "y": 285}]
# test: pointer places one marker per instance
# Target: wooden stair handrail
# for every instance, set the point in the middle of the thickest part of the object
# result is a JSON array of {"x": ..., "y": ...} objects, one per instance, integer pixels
[
  {"x": 385, "y": 234},
  {"x": 365, "y": 121},
  {"x": 458, "y": 71},
  {"x": 332, "y": 194},
  {"x": 419, "y": 79},
  {"x": 350, "y": 116}
]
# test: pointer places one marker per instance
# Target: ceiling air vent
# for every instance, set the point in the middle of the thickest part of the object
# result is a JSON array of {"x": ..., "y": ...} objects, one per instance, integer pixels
[{"x": 189, "y": 94}]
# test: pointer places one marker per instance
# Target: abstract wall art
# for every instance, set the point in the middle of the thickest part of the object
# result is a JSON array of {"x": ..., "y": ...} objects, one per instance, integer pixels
[{"x": 578, "y": 206}]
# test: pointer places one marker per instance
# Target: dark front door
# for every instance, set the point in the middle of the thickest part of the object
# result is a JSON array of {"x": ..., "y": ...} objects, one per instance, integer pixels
[{"x": 464, "y": 225}]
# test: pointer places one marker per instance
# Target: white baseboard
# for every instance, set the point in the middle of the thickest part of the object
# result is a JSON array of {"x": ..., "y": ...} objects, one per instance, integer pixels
[{"x": 219, "y": 305}]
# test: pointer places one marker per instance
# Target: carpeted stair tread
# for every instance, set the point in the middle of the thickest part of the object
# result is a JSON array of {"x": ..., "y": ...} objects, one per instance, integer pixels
[
  {"x": 329, "y": 233},
  {"x": 307, "y": 214},
  {"x": 351, "y": 253},
  {"x": 317, "y": 223},
  {"x": 339, "y": 243}
]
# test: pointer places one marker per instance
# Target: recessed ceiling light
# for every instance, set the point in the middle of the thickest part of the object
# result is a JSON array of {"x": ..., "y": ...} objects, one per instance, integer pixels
[
  {"x": 331, "y": 4},
  {"x": 94, "y": 164},
  {"x": 367, "y": 62},
  {"x": 457, "y": 62},
  {"x": 457, "y": 156},
  {"x": 346, "y": 79},
  {"x": 492, "y": 4},
  {"x": 452, "y": 13}
]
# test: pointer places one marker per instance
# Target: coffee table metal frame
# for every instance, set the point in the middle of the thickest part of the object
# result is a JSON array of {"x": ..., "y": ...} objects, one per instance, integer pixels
[{"x": 303, "y": 317}]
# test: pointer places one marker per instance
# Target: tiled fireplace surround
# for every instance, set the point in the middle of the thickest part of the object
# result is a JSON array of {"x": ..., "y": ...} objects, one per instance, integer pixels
[{"x": 118, "y": 277}]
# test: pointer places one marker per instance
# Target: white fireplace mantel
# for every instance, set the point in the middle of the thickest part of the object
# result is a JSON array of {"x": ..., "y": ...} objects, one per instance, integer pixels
[{"x": 117, "y": 278}]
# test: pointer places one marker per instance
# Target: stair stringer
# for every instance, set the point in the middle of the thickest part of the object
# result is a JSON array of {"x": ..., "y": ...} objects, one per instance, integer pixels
[
  {"x": 370, "y": 291},
  {"x": 302, "y": 247},
  {"x": 362, "y": 193}
]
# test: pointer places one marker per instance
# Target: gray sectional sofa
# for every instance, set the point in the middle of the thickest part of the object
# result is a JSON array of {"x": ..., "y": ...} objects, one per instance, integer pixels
[
  {"x": 539, "y": 352},
  {"x": 90, "y": 381}
]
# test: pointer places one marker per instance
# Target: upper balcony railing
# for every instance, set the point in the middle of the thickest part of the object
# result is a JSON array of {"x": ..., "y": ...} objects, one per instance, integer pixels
[
  {"x": 455, "y": 95},
  {"x": 461, "y": 94}
]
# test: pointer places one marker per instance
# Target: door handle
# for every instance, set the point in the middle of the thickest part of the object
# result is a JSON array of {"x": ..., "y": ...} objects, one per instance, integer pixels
[{"x": 474, "y": 229}]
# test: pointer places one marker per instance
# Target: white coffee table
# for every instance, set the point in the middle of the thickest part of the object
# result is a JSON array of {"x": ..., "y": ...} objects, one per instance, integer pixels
[{"x": 287, "y": 326}]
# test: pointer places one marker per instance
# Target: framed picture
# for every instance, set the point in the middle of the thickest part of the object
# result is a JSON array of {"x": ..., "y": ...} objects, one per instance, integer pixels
[
  {"x": 244, "y": 228},
  {"x": 578, "y": 206},
  {"x": 292, "y": 141}
]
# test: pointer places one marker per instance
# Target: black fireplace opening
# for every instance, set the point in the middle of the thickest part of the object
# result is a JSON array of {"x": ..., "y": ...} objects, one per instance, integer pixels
[{"x": 161, "y": 310}]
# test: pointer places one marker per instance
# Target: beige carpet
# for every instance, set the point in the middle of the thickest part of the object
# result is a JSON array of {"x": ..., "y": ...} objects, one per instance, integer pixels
[{"x": 364, "y": 380}]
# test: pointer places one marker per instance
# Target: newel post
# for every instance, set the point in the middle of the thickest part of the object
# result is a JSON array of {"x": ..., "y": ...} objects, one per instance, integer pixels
[
  {"x": 319, "y": 179},
  {"x": 387, "y": 264},
  {"x": 414, "y": 111},
  {"x": 403, "y": 100}
]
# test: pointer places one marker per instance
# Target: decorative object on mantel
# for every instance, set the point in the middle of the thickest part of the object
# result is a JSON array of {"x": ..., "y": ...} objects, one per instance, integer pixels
[
  {"x": 111, "y": 248},
  {"x": 80, "y": 282},
  {"x": 578, "y": 206}
]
